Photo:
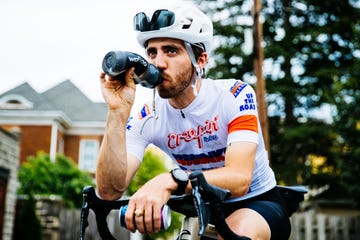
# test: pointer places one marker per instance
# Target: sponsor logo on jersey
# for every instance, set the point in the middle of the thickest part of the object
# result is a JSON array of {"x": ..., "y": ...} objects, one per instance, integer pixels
[
  {"x": 187, "y": 160},
  {"x": 209, "y": 127},
  {"x": 237, "y": 88},
  {"x": 144, "y": 111},
  {"x": 128, "y": 126},
  {"x": 249, "y": 103}
]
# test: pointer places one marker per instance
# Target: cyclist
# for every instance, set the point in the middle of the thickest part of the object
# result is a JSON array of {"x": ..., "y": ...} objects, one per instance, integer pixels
[{"x": 200, "y": 123}]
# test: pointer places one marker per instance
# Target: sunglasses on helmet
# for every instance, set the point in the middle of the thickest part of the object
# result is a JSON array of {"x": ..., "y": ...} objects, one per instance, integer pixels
[{"x": 160, "y": 19}]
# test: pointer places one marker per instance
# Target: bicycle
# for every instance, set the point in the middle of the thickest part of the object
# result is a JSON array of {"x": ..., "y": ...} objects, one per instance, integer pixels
[{"x": 206, "y": 203}]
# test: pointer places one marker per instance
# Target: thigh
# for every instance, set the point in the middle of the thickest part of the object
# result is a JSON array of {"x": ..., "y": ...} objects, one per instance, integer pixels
[
  {"x": 249, "y": 223},
  {"x": 272, "y": 212},
  {"x": 275, "y": 216}
]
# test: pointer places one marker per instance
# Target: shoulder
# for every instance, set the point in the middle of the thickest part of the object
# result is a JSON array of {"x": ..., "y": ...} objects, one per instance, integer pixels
[
  {"x": 147, "y": 111},
  {"x": 230, "y": 87},
  {"x": 139, "y": 116}
]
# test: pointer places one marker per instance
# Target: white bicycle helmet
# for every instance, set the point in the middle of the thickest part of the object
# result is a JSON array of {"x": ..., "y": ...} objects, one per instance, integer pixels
[{"x": 185, "y": 22}]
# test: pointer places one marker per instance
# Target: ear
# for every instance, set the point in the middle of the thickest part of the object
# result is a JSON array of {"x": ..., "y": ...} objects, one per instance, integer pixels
[{"x": 202, "y": 59}]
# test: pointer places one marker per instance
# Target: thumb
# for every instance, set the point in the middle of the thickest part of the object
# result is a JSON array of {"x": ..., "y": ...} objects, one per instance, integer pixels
[{"x": 129, "y": 78}]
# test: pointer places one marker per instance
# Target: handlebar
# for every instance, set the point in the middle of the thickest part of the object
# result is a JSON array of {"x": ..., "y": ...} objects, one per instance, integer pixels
[
  {"x": 101, "y": 208},
  {"x": 206, "y": 202}
]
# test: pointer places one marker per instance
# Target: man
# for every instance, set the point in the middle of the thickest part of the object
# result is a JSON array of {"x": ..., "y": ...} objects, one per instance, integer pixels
[{"x": 200, "y": 123}]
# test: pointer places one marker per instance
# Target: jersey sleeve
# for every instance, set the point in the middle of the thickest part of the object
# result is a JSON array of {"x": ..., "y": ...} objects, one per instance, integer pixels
[
  {"x": 240, "y": 105},
  {"x": 137, "y": 133}
]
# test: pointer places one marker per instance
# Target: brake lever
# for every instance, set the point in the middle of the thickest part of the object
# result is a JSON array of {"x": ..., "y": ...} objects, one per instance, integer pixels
[
  {"x": 213, "y": 196},
  {"x": 84, "y": 214},
  {"x": 101, "y": 208},
  {"x": 202, "y": 212}
]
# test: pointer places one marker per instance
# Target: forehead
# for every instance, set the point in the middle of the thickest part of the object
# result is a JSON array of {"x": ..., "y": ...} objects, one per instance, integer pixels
[{"x": 159, "y": 42}]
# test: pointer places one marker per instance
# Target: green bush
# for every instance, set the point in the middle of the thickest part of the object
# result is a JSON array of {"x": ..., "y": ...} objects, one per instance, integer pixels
[{"x": 40, "y": 176}]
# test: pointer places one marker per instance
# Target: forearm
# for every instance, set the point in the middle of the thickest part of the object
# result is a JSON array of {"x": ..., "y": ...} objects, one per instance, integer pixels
[
  {"x": 236, "y": 182},
  {"x": 236, "y": 175},
  {"x": 112, "y": 165}
]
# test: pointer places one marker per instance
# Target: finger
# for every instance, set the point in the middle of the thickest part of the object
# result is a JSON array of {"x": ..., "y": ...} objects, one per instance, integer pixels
[
  {"x": 102, "y": 77},
  {"x": 113, "y": 79},
  {"x": 148, "y": 219},
  {"x": 157, "y": 217},
  {"x": 105, "y": 78},
  {"x": 129, "y": 218},
  {"x": 129, "y": 78},
  {"x": 139, "y": 219}
]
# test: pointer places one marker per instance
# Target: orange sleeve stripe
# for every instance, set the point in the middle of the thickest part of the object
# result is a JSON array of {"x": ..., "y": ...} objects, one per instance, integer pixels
[{"x": 246, "y": 122}]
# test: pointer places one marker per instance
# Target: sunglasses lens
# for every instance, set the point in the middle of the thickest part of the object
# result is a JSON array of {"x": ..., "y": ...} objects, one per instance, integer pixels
[
  {"x": 141, "y": 22},
  {"x": 164, "y": 19},
  {"x": 160, "y": 19}
]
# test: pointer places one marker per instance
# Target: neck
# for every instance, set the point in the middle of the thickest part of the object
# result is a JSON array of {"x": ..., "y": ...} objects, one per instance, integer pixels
[{"x": 188, "y": 96}]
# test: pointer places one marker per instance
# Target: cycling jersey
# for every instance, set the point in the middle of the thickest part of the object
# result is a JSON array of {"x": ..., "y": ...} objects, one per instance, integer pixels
[{"x": 196, "y": 137}]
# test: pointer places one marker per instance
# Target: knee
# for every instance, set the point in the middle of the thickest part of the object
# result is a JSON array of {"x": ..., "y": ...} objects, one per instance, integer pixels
[{"x": 250, "y": 224}]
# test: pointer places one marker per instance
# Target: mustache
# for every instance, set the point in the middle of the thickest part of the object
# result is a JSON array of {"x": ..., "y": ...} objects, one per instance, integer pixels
[{"x": 165, "y": 76}]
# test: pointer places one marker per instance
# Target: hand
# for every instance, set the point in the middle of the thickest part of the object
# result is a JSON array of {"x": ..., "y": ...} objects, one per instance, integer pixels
[
  {"x": 118, "y": 94},
  {"x": 148, "y": 201}
]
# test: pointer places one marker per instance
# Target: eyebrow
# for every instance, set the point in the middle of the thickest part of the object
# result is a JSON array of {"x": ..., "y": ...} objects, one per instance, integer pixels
[{"x": 167, "y": 46}]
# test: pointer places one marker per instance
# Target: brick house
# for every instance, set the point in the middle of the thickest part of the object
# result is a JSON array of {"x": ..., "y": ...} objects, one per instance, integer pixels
[
  {"x": 9, "y": 162},
  {"x": 59, "y": 120}
]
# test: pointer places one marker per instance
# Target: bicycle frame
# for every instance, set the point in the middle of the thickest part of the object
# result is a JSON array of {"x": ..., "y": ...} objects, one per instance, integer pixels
[
  {"x": 190, "y": 225},
  {"x": 204, "y": 204}
]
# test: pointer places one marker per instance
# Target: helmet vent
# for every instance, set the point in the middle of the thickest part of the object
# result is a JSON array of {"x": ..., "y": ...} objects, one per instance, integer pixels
[{"x": 187, "y": 23}]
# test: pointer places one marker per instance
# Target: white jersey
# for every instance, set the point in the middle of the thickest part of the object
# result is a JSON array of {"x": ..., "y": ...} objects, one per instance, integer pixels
[{"x": 224, "y": 111}]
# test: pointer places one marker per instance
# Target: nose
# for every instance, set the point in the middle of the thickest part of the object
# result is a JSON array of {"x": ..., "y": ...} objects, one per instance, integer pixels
[{"x": 160, "y": 61}]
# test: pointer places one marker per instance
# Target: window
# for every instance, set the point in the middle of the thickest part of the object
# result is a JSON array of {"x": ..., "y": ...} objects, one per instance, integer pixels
[
  {"x": 88, "y": 155},
  {"x": 14, "y": 101}
]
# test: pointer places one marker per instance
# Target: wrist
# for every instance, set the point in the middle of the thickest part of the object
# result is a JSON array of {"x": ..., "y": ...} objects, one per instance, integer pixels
[
  {"x": 118, "y": 116},
  {"x": 181, "y": 178}
]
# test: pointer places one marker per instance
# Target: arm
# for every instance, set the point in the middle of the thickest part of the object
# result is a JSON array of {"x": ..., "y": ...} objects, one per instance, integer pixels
[
  {"x": 243, "y": 140},
  {"x": 114, "y": 170},
  {"x": 236, "y": 175}
]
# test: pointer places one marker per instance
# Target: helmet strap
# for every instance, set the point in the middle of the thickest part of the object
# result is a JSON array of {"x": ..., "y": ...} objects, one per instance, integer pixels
[{"x": 199, "y": 70}]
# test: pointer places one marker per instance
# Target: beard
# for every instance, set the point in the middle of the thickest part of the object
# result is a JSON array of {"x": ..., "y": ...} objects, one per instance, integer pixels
[{"x": 177, "y": 84}]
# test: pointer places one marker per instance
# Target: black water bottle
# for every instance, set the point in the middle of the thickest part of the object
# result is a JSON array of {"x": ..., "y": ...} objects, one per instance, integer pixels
[{"x": 115, "y": 63}]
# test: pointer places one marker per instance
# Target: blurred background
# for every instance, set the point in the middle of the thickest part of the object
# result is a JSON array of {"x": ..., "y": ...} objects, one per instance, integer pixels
[{"x": 302, "y": 57}]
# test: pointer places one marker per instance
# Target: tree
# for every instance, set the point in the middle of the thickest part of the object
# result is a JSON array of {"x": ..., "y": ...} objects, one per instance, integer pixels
[
  {"x": 39, "y": 175},
  {"x": 311, "y": 52},
  {"x": 231, "y": 20},
  {"x": 312, "y": 43},
  {"x": 347, "y": 121},
  {"x": 152, "y": 165}
]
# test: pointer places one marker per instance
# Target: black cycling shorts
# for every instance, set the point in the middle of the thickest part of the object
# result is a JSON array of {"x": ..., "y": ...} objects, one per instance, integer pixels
[{"x": 271, "y": 206}]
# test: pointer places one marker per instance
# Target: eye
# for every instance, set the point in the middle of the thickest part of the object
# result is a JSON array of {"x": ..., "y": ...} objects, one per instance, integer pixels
[
  {"x": 151, "y": 52},
  {"x": 171, "y": 51}
]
